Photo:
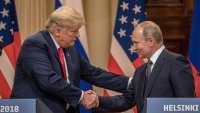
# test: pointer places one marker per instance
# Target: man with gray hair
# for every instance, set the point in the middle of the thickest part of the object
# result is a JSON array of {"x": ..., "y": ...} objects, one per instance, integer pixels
[
  {"x": 49, "y": 67},
  {"x": 166, "y": 74}
]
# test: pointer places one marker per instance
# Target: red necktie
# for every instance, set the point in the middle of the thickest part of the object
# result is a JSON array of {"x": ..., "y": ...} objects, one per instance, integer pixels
[{"x": 62, "y": 61}]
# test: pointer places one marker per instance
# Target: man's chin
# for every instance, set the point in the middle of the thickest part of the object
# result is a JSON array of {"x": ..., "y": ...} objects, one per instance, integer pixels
[
  {"x": 142, "y": 57},
  {"x": 66, "y": 46}
]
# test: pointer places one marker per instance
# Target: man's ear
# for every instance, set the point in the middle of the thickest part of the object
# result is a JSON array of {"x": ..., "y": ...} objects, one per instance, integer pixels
[
  {"x": 151, "y": 41},
  {"x": 57, "y": 31}
]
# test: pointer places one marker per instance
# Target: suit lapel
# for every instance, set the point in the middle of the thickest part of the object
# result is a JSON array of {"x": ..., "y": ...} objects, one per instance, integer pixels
[
  {"x": 155, "y": 72},
  {"x": 69, "y": 64},
  {"x": 51, "y": 43},
  {"x": 141, "y": 86}
]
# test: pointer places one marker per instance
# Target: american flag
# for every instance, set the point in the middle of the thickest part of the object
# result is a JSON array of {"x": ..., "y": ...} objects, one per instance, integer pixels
[
  {"x": 9, "y": 35},
  {"x": 123, "y": 60}
]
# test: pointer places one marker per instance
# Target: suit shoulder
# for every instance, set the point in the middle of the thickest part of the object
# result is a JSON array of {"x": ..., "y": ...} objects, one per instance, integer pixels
[
  {"x": 177, "y": 57},
  {"x": 173, "y": 54},
  {"x": 35, "y": 39}
]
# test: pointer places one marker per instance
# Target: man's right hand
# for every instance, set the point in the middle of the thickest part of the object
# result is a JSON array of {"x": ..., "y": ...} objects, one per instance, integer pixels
[{"x": 90, "y": 99}]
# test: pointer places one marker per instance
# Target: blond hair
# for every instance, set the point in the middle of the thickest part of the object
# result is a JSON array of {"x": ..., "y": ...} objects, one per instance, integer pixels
[{"x": 64, "y": 17}]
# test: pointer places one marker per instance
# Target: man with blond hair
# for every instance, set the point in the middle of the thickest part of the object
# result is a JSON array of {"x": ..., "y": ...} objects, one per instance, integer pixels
[{"x": 49, "y": 67}]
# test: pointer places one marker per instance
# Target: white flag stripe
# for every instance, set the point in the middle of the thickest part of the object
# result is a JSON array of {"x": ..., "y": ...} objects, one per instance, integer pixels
[
  {"x": 121, "y": 58},
  {"x": 7, "y": 69},
  {"x": 78, "y": 5}
]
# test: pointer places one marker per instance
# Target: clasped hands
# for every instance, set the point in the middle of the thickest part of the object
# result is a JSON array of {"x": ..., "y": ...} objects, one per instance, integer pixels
[{"x": 90, "y": 100}]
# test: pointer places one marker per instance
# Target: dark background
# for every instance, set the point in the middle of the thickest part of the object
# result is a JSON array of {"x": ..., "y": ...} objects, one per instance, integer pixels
[{"x": 174, "y": 17}]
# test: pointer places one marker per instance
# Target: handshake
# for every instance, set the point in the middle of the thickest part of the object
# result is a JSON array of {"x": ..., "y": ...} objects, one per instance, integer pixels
[{"x": 90, "y": 100}]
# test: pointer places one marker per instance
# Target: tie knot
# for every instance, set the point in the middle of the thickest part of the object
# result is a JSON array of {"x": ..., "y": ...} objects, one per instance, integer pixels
[{"x": 60, "y": 49}]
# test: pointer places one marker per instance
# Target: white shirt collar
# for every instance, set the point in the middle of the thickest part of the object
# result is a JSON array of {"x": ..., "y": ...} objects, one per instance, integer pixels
[
  {"x": 155, "y": 56},
  {"x": 56, "y": 44}
]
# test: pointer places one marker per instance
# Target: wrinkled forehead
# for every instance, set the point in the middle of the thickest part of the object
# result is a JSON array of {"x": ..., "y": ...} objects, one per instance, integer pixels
[
  {"x": 138, "y": 29},
  {"x": 138, "y": 32}
]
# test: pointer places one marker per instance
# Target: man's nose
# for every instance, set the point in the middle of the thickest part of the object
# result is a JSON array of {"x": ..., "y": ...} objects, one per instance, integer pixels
[{"x": 134, "y": 47}]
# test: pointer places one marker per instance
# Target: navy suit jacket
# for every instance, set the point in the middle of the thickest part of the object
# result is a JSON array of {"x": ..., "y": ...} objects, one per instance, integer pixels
[
  {"x": 171, "y": 77},
  {"x": 39, "y": 74}
]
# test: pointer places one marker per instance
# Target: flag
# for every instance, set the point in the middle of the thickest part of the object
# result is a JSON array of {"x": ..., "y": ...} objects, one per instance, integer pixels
[
  {"x": 81, "y": 42},
  {"x": 194, "y": 46},
  {"x": 122, "y": 59},
  {"x": 9, "y": 35}
]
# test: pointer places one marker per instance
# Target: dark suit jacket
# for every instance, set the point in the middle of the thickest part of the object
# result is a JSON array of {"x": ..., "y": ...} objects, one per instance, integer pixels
[
  {"x": 39, "y": 74},
  {"x": 171, "y": 77}
]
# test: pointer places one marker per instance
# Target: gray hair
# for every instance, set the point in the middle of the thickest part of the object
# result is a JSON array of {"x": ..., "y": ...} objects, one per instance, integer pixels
[{"x": 151, "y": 29}]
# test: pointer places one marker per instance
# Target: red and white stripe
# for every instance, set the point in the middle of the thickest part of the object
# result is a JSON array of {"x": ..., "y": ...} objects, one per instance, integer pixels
[{"x": 7, "y": 65}]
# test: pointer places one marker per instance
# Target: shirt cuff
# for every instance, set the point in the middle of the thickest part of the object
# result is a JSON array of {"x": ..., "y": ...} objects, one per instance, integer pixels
[
  {"x": 81, "y": 96},
  {"x": 129, "y": 81}
]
